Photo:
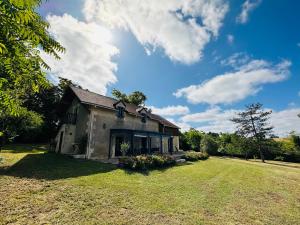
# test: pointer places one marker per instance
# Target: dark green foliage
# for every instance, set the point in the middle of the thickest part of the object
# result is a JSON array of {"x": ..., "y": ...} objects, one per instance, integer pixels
[
  {"x": 137, "y": 98},
  {"x": 209, "y": 144},
  {"x": 44, "y": 104},
  {"x": 13, "y": 125},
  {"x": 195, "y": 156},
  {"x": 145, "y": 162},
  {"x": 183, "y": 142}
]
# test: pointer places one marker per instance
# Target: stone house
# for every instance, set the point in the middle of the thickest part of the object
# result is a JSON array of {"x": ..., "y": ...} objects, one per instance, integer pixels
[{"x": 95, "y": 126}]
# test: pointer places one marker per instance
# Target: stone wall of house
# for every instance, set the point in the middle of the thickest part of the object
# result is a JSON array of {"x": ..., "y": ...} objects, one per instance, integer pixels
[
  {"x": 175, "y": 143},
  {"x": 103, "y": 120},
  {"x": 68, "y": 131},
  {"x": 95, "y": 125},
  {"x": 74, "y": 133},
  {"x": 82, "y": 123}
]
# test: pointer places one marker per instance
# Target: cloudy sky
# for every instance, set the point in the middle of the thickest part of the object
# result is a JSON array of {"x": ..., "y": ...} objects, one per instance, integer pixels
[{"x": 198, "y": 61}]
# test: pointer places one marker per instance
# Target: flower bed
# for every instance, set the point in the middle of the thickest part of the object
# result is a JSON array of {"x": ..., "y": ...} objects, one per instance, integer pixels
[
  {"x": 195, "y": 156},
  {"x": 145, "y": 162}
]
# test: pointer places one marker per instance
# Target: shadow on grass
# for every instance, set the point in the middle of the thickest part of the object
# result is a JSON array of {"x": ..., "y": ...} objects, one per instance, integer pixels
[
  {"x": 51, "y": 166},
  {"x": 24, "y": 148},
  {"x": 286, "y": 164}
]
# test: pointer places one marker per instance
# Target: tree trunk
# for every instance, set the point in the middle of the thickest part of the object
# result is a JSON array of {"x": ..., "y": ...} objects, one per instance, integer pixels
[
  {"x": 261, "y": 154},
  {"x": 246, "y": 155}
]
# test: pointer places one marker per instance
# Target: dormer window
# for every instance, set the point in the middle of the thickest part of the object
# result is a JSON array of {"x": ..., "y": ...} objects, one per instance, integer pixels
[
  {"x": 143, "y": 112},
  {"x": 120, "y": 112},
  {"x": 120, "y": 109},
  {"x": 144, "y": 118}
]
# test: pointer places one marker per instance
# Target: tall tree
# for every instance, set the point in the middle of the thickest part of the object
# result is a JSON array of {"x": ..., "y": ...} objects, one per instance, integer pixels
[
  {"x": 23, "y": 35},
  {"x": 137, "y": 98},
  {"x": 253, "y": 124}
]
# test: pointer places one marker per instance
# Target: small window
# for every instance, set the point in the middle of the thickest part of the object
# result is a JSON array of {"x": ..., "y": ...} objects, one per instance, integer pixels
[
  {"x": 144, "y": 118},
  {"x": 120, "y": 112}
]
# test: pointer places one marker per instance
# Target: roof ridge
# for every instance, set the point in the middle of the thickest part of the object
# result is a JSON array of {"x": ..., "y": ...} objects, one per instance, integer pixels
[{"x": 87, "y": 90}]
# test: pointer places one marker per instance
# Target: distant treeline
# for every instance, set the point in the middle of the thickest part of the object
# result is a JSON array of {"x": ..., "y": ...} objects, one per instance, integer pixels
[{"x": 226, "y": 144}]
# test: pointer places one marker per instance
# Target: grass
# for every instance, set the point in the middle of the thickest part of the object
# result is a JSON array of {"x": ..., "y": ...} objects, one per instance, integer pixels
[{"x": 44, "y": 188}]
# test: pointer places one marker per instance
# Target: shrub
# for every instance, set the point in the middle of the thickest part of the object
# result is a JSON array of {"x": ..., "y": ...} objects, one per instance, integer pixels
[
  {"x": 144, "y": 162},
  {"x": 195, "y": 156}
]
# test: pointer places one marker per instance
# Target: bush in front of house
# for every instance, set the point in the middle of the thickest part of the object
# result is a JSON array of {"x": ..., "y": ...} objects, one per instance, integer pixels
[
  {"x": 145, "y": 162},
  {"x": 195, "y": 156}
]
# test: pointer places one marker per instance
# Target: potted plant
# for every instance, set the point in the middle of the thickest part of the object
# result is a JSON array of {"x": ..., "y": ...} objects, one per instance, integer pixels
[{"x": 124, "y": 148}]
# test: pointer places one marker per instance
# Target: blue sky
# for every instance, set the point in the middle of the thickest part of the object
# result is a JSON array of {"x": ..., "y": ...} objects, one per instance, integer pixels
[{"x": 199, "y": 62}]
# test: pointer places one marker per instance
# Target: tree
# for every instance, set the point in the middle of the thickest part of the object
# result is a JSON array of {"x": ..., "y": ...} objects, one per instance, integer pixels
[
  {"x": 23, "y": 35},
  {"x": 209, "y": 145},
  {"x": 194, "y": 138},
  {"x": 12, "y": 125},
  {"x": 137, "y": 98},
  {"x": 253, "y": 124},
  {"x": 45, "y": 103}
]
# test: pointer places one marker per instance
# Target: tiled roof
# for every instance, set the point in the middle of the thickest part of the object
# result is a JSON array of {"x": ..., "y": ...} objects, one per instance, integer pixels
[{"x": 91, "y": 98}]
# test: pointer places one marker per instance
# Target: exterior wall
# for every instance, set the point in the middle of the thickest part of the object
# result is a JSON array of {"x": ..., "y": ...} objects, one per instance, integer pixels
[
  {"x": 176, "y": 143},
  {"x": 81, "y": 123},
  {"x": 67, "y": 140},
  {"x": 74, "y": 133},
  {"x": 165, "y": 145},
  {"x": 82, "y": 119},
  {"x": 102, "y": 120}
]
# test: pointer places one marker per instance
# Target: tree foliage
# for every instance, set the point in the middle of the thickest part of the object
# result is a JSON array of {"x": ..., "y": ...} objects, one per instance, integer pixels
[
  {"x": 193, "y": 137},
  {"x": 14, "y": 125},
  {"x": 137, "y": 98},
  {"x": 45, "y": 103},
  {"x": 253, "y": 124},
  {"x": 209, "y": 144},
  {"x": 23, "y": 35}
]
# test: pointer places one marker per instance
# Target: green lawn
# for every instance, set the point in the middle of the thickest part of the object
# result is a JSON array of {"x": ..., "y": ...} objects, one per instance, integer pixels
[{"x": 44, "y": 188}]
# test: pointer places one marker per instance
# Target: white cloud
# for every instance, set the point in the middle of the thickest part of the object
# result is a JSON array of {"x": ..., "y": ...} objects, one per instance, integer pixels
[
  {"x": 247, "y": 7},
  {"x": 234, "y": 86},
  {"x": 299, "y": 93},
  {"x": 170, "y": 25},
  {"x": 286, "y": 121},
  {"x": 217, "y": 120},
  {"x": 205, "y": 116},
  {"x": 89, "y": 52},
  {"x": 170, "y": 110},
  {"x": 230, "y": 38},
  {"x": 212, "y": 120},
  {"x": 236, "y": 60}
]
